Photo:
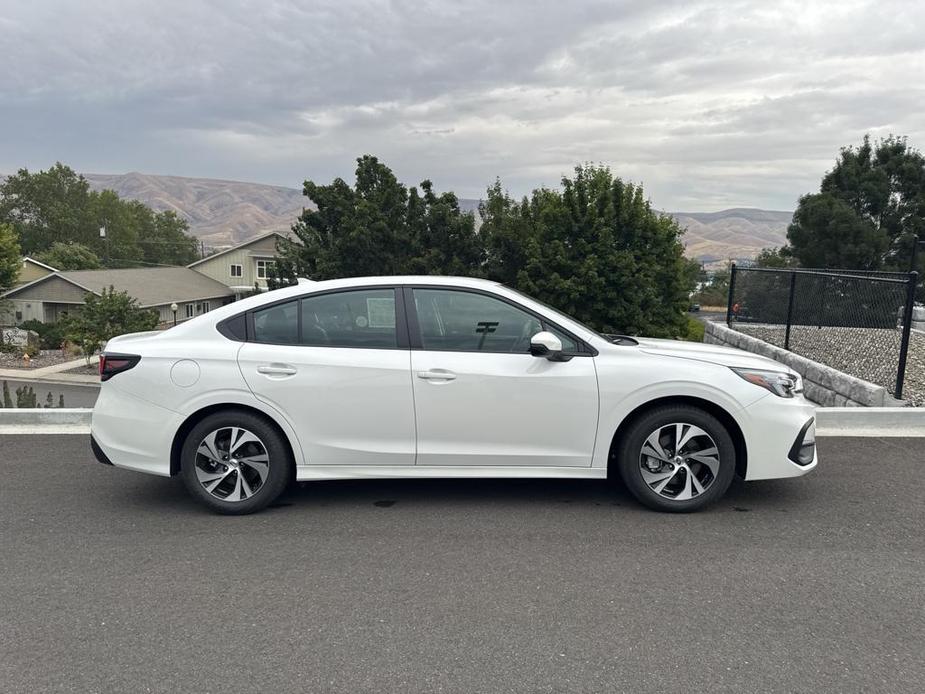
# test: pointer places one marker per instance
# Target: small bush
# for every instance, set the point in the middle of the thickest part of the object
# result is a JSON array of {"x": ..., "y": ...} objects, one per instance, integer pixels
[
  {"x": 695, "y": 330},
  {"x": 51, "y": 335}
]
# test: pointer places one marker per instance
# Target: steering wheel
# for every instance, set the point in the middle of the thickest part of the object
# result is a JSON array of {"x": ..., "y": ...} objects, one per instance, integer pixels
[{"x": 318, "y": 334}]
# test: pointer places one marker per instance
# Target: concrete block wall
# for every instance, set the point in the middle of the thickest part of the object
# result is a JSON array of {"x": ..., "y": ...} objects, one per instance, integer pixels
[{"x": 823, "y": 385}]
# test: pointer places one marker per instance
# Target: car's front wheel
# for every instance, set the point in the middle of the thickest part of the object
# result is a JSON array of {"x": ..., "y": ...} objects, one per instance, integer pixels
[
  {"x": 677, "y": 458},
  {"x": 235, "y": 462}
]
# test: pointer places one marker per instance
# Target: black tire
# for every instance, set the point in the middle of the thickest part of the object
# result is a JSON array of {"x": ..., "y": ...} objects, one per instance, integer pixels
[
  {"x": 273, "y": 478},
  {"x": 632, "y": 464}
]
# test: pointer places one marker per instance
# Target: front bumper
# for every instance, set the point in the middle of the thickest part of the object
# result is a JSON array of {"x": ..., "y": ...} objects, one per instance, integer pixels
[{"x": 775, "y": 433}]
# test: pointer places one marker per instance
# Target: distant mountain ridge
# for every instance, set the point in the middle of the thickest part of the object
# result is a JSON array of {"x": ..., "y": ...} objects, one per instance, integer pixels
[{"x": 224, "y": 213}]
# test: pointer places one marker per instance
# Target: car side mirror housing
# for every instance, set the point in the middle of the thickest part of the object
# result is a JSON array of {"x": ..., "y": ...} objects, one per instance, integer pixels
[{"x": 545, "y": 344}]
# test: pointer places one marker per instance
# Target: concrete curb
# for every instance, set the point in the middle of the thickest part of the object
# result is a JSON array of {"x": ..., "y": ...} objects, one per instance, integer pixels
[
  {"x": 830, "y": 421},
  {"x": 75, "y": 420}
]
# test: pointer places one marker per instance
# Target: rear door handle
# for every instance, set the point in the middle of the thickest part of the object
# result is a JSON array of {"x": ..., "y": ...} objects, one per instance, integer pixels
[
  {"x": 437, "y": 375},
  {"x": 277, "y": 369}
]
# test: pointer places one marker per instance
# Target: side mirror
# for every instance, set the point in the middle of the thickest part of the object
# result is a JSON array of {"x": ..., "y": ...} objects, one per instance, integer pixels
[{"x": 547, "y": 345}]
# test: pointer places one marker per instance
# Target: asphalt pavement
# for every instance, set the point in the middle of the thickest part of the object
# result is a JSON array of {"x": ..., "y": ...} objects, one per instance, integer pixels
[{"x": 112, "y": 581}]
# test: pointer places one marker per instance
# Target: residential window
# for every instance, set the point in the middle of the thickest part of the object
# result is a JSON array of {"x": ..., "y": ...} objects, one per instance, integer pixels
[
  {"x": 237, "y": 270},
  {"x": 189, "y": 311},
  {"x": 264, "y": 267},
  {"x": 203, "y": 307}
]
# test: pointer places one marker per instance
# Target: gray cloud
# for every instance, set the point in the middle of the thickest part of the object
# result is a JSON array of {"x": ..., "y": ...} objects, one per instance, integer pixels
[{"x": 708, "y": 104}]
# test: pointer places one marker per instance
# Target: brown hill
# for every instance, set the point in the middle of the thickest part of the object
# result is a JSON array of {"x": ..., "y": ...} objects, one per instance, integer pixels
[
  {"x": 223, "y": 213},
  {"x": 735, "y": 233}
]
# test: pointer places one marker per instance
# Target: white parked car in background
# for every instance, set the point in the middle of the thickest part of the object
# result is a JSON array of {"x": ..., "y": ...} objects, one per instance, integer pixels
[{"x": 387, "y": 377}]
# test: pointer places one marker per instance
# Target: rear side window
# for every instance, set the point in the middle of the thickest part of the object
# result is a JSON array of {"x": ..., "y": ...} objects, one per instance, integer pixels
[
  {"x": 278, "y": 325},
  {"x": 358, "y": 318}
]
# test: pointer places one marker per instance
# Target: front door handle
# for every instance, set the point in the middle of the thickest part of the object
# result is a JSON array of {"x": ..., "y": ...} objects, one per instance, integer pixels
[
  {"x": 437, "y": 375},
  {"x": 277, "y": 369}
]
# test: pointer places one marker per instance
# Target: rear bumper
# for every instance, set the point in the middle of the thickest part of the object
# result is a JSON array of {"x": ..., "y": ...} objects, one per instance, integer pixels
[
  {"x": 98, "y": 452},
  {"x": 129, "y": 432}
]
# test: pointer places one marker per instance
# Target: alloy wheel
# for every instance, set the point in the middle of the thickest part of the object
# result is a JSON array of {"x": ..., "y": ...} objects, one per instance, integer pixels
[
  {"x": 232, "y": 464},
  {"x": 679, "y": 461}
]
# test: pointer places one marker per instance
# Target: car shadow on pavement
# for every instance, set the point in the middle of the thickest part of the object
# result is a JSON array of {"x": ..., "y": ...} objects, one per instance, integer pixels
[{"x": 169, "y": 494}]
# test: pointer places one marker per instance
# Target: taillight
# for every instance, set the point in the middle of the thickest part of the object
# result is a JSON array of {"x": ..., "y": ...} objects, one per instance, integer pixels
[{"x": 112, "y": 364}]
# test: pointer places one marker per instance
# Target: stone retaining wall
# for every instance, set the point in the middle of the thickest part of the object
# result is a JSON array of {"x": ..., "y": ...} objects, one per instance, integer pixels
[{"x": 824, "y": 385}]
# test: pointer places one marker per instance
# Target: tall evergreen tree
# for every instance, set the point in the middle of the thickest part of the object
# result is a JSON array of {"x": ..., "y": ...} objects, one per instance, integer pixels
[
  {"x": 869, "y": 209},
  {"x": 595, "y": 250}
]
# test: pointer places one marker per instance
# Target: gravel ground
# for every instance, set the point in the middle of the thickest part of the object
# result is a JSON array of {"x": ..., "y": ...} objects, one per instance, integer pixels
[
  {"x": 47, "y": 357},
  {"x": 868, "y": 353}
]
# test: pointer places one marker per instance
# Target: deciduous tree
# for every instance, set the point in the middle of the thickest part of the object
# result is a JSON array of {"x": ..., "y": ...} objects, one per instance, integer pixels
[
  {"x": 104, "y": 316},
  {"x": 69, "y": 256}
]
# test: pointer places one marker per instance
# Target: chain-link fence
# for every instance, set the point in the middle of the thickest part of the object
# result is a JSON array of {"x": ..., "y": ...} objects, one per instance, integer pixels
[{"x": 855, "y": 321}]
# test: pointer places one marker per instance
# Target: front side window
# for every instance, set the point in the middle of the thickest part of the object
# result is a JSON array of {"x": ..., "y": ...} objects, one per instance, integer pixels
[
  {"x": 453, "y": 320},
  {"x": 237, "y": 271},
  {"x": 264, "y": 267},
  {"x": 358, "y": 318},
  {"x": 277, "y": 324},
  {"x": 189, "y": 311}
]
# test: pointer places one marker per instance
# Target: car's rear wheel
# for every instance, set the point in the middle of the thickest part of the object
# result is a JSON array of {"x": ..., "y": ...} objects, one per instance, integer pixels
[
  {"x": 235, "y": 462},
  {"x": 677, "y": 458}
]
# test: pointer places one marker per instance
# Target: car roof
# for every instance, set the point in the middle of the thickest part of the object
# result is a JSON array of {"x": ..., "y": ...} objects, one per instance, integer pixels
[{"x": 205, "y": 323}]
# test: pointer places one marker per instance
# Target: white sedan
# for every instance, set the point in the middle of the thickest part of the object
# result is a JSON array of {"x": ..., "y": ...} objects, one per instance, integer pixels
[{"x": 387, "y": 377}]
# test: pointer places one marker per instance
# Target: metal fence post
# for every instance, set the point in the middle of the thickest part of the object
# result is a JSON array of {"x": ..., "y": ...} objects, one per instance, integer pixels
[
  {"x": 732, "y": 287},
  {"x": 907, "y": 328},
  {"x": 793, "y": 282}
]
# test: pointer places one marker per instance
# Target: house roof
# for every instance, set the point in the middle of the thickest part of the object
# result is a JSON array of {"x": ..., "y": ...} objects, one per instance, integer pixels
[
  {"x": 247, "y": 243},
  {"x": 28, "y": 259},
  {"x": 151, "y": 286}
]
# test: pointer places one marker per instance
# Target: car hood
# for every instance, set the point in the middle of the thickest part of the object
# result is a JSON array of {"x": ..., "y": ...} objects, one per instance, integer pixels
[{"x": 714, "y": 354}]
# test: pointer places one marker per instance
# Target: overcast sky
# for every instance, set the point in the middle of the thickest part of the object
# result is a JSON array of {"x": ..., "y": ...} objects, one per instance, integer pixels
[{"x": 709, "y": 105}]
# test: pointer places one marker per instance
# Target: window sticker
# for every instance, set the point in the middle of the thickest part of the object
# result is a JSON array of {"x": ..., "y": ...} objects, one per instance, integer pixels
[{"x": 381, "y": 312}]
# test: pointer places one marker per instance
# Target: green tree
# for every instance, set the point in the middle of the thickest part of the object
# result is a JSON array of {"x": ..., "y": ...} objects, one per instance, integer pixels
[
  {"x": 714, "y": 290},
  {"x": 164, "y": 239},
  {"x": 869, "y": 209},
  {"x": 69, "y": 256},
  {"x": 10, "y": 261},
  {"x": 46, "y": 206},
  {"x": 104, "y": 316},
  {"x": 594, "y": 249},
  {"x": 57, "y": 206},
  {"x": 378, "y": 227},
  {"x": 775, "y": 258}
]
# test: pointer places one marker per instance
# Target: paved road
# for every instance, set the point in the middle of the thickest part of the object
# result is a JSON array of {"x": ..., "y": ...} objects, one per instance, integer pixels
[
  {"x": 116, "y": 582},
  {"x": 75, "y": 395}
]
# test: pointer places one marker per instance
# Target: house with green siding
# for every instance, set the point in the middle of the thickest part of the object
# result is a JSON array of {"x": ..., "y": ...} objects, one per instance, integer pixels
[{"x": 243, "y": 266}]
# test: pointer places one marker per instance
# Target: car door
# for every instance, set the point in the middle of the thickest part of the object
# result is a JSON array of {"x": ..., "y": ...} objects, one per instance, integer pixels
[
  {"x": 481, "y": 398},
  {"x": 337, "y": 365}
]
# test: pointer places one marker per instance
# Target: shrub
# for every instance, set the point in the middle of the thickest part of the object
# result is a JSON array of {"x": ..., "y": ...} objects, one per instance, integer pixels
[
  {"x": 695, "y": 330},
  {"x": 51, "y": 335}
]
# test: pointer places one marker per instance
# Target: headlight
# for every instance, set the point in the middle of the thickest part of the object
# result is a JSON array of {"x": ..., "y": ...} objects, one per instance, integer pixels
[{"x": 781, "y": 383}]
